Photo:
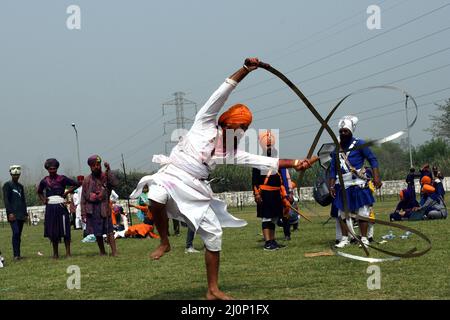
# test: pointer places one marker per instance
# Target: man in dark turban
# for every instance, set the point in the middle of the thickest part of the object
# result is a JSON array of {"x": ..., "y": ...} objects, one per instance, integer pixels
[
  {"x": 51, "y": 163},
  {"x": 95, "y": 208}
]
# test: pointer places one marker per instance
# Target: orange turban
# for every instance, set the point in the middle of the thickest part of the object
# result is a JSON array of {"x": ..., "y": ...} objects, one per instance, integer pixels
[
  {"x": 237, "y": 114},
  {"x": 425, "y": 180},
  {"x": 267, "y": 138},
  {"x": 428, "y": 189}
]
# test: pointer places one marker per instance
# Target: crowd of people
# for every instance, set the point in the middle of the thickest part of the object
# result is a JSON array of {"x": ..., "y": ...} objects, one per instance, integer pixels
[
  {"x": 360, "y": 183},
  {"x": 432, "y": 196}
]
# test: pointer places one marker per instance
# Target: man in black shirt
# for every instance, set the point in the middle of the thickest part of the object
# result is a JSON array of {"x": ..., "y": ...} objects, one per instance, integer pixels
[
  {"x": 16, "y": 207},
  {"x": 412, "y": 175}
]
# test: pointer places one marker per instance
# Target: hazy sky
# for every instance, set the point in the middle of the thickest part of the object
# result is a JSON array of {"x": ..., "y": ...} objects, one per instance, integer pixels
[{"x": 112, "y": 76}]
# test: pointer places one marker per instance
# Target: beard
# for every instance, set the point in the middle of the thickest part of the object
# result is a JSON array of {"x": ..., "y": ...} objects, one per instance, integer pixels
[
  {"x": 345, "y": 139},
  {"x": 97, "y": 173}
]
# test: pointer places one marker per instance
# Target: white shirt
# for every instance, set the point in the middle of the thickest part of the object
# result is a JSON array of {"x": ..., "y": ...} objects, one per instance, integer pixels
[
  {"x": 201, "y": 149},
  {"x": 191, "y": 161}
]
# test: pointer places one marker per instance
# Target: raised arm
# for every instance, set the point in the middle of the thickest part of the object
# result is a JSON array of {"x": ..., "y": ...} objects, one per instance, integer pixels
[
  {"x": 112, "y": 180},
  {"x": 250, "y": 64},
  {"x": 211, "y": 108}
]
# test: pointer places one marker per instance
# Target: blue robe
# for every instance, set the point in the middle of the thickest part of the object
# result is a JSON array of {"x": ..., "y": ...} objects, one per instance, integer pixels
[{"x": 357, "y": 196}]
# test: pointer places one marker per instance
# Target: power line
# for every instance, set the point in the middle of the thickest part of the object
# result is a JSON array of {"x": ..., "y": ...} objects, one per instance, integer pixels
[
  {"x": 135, "y": 150},
  {"x": 131, "y": 136},
  {"x": 331, "y": 100},
  {"x": 179, "y": 102},
  {"x": 349, "y": 65},
  {"x": 368, "y": 118},
  {"x": 334, "y": 33},
  {"x": 376, "y": 108},
  {"x": 349, "y": 47},
  {"x": 146, "y": 161},
  {"x": 322, "y": 31},
  {"x": 360, "y": 120},
  {"x": 382, "y": 71},
  {"x": 142, "y": 164}
]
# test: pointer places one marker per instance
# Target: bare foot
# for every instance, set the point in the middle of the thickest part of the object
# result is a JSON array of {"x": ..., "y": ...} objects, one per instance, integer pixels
[
  {"x": 217, "y": 295},
  {"x": 160, "y": 251}
]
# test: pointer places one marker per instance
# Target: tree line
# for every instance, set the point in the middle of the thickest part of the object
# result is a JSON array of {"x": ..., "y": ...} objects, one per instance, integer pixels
[{"x": 393, "y": 158}]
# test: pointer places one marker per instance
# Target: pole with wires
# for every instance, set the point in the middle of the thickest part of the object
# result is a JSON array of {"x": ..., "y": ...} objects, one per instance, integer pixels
[
  {"x": 126, "y": 184},
  {"x": 409, "y": 137}
]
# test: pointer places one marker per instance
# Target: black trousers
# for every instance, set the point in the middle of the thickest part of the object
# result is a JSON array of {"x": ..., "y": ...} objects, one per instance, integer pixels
[{"x": 16, "y": 227}]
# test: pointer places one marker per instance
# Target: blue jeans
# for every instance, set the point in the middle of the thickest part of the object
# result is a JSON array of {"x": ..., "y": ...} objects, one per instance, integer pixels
[
  {"x": 190, "y": 238},
  {"x": 16, "y": 228}
]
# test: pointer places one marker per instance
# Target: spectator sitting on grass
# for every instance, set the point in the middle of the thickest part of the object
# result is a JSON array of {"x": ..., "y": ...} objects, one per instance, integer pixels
[
  {"x": 433, "y": 207},
  {"x": 438, "y": 184},
  {"x": 404, "y": 208},
  {"x": 424, "y": 172}
]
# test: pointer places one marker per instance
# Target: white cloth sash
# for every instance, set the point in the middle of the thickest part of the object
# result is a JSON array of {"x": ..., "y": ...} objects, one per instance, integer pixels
[
  {"x": 55, "y": 200},
  {"x": 349, "y": 181}
]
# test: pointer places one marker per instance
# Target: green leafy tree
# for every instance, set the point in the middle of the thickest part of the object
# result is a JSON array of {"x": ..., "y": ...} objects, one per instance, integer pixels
[
  {"x": 393, "y": 160},
  {"x": 31, "y": 195},
  {"x": 441, "y": 123},
  {"x": 231, "y": 178},
  {"x": 124, "y": 189},
  {"x": 2, "y": 203},
  {"x": 436, "y": 153}
]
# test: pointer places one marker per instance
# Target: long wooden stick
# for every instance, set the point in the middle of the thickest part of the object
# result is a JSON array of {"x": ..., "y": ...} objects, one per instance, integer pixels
[
  {"x": 300, "y": 213},
  {"x": 126, "y": 184}
]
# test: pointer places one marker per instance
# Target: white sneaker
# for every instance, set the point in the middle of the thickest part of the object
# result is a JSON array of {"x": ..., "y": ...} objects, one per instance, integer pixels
[
  {"x": 365, "y": 242},
  {"x": 343, "y": 243},
  {"x": 190, "y": 250}
]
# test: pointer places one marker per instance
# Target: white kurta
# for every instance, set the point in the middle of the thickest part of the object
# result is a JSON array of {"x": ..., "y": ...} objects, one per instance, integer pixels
[
  {"x": 184, "y": 172},
  {"x": 76, "y": 202}
]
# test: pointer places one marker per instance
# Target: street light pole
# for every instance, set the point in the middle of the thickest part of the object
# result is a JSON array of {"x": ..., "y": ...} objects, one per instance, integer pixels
[
  {"x": 409, "y": 139},
  {"x": 78, "y": 147}
]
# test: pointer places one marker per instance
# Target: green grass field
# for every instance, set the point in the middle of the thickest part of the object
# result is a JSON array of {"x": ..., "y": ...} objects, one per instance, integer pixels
[{"x": 246, "y": 272}]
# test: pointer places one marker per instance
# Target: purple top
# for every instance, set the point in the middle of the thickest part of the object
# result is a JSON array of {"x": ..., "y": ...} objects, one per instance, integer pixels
[
  {"x": 55, "y": 186},
  {"x": 409, "y": 201}
]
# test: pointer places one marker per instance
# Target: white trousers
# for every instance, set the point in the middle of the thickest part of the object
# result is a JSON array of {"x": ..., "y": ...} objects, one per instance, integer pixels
[{"x": 209, "y": 229}]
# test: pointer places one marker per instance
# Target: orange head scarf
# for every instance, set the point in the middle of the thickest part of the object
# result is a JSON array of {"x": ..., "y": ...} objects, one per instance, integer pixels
[
  {"x": 425, "y": 180},
  {"x": 237, "y": 114},
  {"x": 427, "y": 188},
  {"x": 267, "y": 138}
]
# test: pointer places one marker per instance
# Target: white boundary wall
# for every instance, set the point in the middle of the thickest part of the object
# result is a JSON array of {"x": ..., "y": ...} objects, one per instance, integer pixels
[{"x": 245, "y": 198}]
